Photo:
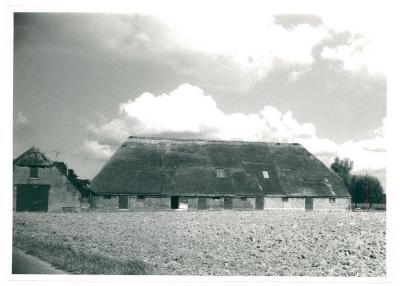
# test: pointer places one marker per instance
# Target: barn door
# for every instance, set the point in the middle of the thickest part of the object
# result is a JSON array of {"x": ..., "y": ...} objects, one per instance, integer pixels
[
  {"x": 202, "y": 204},
  {"x": 259, "y": 203},
  {"x": 123, "y": 202},
  {"x": 309, "y": 204},
  {"x": 228, "y": 203},
  {"x": 174, "y": 203},
  {"x": 32, "y": 198}
]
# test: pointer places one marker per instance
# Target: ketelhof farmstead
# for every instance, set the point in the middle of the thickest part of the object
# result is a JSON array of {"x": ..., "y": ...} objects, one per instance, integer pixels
[
  {"x": 42, "y": 185},
  {"x": 148, "y": 173}
]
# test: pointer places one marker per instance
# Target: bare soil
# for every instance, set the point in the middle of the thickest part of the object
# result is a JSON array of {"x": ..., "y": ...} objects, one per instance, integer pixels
[{"x": 278, "y": 243}]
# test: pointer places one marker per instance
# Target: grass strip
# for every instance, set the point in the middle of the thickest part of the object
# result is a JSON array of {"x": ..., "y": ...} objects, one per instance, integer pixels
[{"x": 76, "y": 261}]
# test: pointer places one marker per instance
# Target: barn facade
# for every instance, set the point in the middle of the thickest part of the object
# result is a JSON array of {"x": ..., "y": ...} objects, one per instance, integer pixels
[
  {"x": 150, "y": 173},
  {"x": 41, "y": 185}
]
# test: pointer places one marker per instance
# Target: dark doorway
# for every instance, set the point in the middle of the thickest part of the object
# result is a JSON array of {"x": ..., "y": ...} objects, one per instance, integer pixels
[
  {"x": 259, "y": 203},
  {"x": 309, "y": 204},
  {"x": 123, "y": 202},
  {"x": 32, "y": 198},
  {"x": 228, "y": 203},
  {"x": 202, "y": 203},
  {"x": 174, "y": 203}
]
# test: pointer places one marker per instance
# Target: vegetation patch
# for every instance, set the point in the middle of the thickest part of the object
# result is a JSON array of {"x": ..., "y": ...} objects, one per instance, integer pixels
[{"x": 76, "y": 261}]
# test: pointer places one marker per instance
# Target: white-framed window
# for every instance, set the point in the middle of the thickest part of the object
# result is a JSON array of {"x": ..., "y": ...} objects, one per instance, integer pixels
[
  {"x": 332, "y": 200},
  {"x": 220, "y": 173},
  {"x": 285, "y": 199},
  {"x": 265, "y": 174}
]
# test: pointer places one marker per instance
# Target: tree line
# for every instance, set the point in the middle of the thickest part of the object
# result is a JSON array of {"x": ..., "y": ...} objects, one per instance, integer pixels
[{"x": 362, "y": 188}]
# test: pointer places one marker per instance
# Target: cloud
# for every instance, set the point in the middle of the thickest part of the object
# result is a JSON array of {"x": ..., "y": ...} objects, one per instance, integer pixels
[
  {"x": 369, "y": 153},
  {"x": 187, "y": 112},
  {"x": 255, "y": 45},
  {"x": 91, "y": 149},
  {"x": 289, "y": 21},
  {"x": 357, "y": 54},
  {"x": 21, "y": 121},
  {"x": 251, "y": 48}
]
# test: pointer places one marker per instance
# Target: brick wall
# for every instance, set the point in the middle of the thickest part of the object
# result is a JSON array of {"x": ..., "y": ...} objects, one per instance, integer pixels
[
  {"x": 62, "y": 192},
  {"x": 218, "y": 204},
  {"x": 103, "y": 203},
  {"x": 149, "y": 203},
  {"x": 324, "y": 204},
  {"x": 294, "y": 203},
  {"x": 272, "y": 203},
  {"x": 248, "y": 204},
  {"x": 278, "y": 203}
]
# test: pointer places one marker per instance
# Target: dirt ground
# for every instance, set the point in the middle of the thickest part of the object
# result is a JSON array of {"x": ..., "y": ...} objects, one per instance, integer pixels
[{"x": 278, "y": 243}]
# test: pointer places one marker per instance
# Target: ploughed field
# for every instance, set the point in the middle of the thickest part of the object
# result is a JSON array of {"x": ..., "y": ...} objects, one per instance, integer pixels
[{"x": 279, "y": 243}]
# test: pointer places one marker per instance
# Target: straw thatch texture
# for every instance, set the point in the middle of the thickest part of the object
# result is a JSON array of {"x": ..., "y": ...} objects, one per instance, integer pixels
[
  {"x": 33, "y": 158},
  {"x": 165, "y": 167}
]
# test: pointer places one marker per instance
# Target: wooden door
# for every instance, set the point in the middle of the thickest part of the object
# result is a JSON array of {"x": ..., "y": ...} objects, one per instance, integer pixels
[
  {"x": 123, "y": 202},
  {"x": 32, "y": 198},
  {"x": 259, "y": 203},
  {"x": 174, "y": 203},
  {"x": 309, "y": 204},
  {"x": 228, "y": 203}
]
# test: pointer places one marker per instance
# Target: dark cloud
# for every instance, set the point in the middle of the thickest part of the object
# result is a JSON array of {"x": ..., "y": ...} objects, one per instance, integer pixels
[{"x": 290, "y": 21}]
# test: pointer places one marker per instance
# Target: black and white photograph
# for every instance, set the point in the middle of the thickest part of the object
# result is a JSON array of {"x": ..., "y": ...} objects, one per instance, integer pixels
[{"x": 196, "y": 141}]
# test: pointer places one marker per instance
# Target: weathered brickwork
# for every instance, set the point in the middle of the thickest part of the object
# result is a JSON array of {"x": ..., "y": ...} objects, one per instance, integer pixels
[
  {"x": 299, "y": 203},
  {"x": 62, "y": 193},
  {"x": 204, "y": 203},
  {"x": 337, "y": 204},
  {"x": 106, "y": 203}
]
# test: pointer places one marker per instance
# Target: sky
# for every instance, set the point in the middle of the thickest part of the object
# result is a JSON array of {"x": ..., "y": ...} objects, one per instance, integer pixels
[{"x": 83, "y": 83}]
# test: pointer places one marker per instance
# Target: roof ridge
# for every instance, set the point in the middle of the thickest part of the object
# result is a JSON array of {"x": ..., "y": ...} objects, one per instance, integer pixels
[{"x": 211, "y": 140}]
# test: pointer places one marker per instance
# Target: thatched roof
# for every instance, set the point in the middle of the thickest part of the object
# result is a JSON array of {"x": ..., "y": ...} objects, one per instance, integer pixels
[
  {"x": 159, "y": 166},
  {"x": 33, "y": 158}
]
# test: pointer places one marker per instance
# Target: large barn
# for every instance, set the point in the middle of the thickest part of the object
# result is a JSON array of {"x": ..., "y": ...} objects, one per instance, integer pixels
[
  {"x": 149, "y": 173},
  {"x": 42, "y": 185}
]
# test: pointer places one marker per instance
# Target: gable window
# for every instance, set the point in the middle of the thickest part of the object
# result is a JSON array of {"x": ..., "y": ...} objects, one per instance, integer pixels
[
  {"x": 107, "y": 197},
  {"x": 34, "y": 172},
  {"x": 285, "y": 199},
  {"x": 265, "y": 174},
  {"x": 332, "y": 200},
  {"x": 220, "y": 173}
]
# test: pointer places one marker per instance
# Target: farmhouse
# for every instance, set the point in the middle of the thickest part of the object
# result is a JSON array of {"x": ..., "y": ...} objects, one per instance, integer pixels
[
  {"x": 42, "y": 185},
  {"x": 149, "y": 173}
]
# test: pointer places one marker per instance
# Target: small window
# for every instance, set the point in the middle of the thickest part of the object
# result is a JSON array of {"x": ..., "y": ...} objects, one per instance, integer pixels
[
  {"x": 220, "y": 173},
  {"x": 140, "y": 198},
  {"x": 107, "y": 197},
  {"x": 34, "y": 172},
  {"x": 285, "y": 199},
  {"x": 215, "y": 198},
  {"x": 331, "y": 200},
  {"x": 243, "y": 198},
  {"x": 265, "y": 174}
]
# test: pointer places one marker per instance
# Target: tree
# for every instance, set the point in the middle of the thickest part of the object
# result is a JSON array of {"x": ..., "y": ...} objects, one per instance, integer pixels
[
  {"x": 343, "y": 167},
  {"x": 366, "y": 189},
  {"x": 362, "y": 188}
]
